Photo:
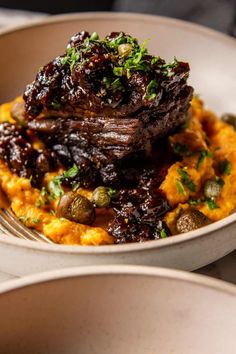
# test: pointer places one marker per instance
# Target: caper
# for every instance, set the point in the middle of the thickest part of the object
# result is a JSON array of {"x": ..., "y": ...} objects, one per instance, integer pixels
[
  {"x": 230, "y": 119},
  {"x": 212, "y": 189},
  {"x": 77, "y": 208},
  {"x": 125, "y": 49},
  {"x": 18, "y": 112},
  {"x": 100, "y": 197},
  {"x": 191, "y": 219}
]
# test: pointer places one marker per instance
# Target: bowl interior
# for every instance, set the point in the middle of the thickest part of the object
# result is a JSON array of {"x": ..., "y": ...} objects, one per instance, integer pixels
[
  {"x": 124, "y": 312},
  {"x": 211, "y": 55}
]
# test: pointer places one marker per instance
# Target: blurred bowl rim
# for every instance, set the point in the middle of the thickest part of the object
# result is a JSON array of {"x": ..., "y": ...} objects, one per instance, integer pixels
[
  {"x": 190, "y": 26},
  {"x": 113, "y": 270},
  {"x": 130, "y": 247}
]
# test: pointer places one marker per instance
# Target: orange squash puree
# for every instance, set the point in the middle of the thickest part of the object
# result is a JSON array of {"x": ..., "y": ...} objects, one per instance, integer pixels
[
  {"x": 24, "y": 200},
  {"x": 204, "y": 132},
  {"x": 222, "y": 144}
]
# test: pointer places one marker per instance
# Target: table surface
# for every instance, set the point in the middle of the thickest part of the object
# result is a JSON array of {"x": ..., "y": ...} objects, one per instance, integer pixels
[{"x": 224, "y": 268}]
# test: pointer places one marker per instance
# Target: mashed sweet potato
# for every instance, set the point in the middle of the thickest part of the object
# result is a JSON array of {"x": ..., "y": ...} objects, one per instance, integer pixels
[
  {"x": 183, "y": 184},
  {"x": 221, "y": 138}
]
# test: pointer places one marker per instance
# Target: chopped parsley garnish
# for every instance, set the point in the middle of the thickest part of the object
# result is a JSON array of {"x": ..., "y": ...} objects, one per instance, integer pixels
[
  {"x": 151, "y": 90},
  {"x": 181, "y": 149},
  {"x": 24, "y": 219},
  {"x": 116, "y": 85},
  {"x": 107, "y": 82},
  {"x": 203, "y": 155},
  {"x": 211, "y": 204},
  {"x": 112, "y": 192},
  {"x": 220, "y": 181},
  {"x": 36, "y": 220},
  {"x": 52, "y": 212},
  {"x": 38, "y": 204},
  {"x": 54, "y": 185},
  {"x": 225, "y": 167},
  {"x": 194, "y": 202},
  {"x": 167, "y": 68},
  {"x": 127, "y": 56},
  {"x": 118, "y": 71},
  {"x": 186, "y": 179},
  {"x": 94, "y": 36},
  {"x": 55, "y": 104},
  {"x": 43, "y": 192},
  {"x": 180, "y": 187},
  {"x": 120, "y": 39},
  {"x": 163, "y": 233},
  {"x": 71, "y": 58},
  {"x": 155, "y": 60},
  {"x": 71, "y": 173}
]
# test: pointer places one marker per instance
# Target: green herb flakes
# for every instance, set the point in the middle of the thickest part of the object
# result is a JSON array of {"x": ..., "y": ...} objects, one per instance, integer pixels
[
  {"x": 225, "y": 167},
  {"x": 220, "y": 181},
  {"x": 181, "y": 149},
  {"x": 203, "y": 155},
  {"x": 36, "y": 220},
  {"x": 71, "y": 173},
  {"x": 24, "y": 219},
  {"x": 151, "y": 90},
  {"x": 116, "y": 84},
  {"x": 52, "y": 212},
  {"x": 55, "y": 186},
  {"x": 118, "y": 71},
  {"x": 112, "y": 192},
  {"x": 194, "y": 202},
  {"x": 180, "y": 187},
  {"x": 56, "y": 105},
  {"x": 163, "y": 233},
  {"x": 167, "y": 68},
  {"x": 155, "y": 60},
  {"x": 71, "y": 58},
  {"x": 107, "y": 82},
  {"x": 94, "y": 36},
  {"x": 38, "y": 204},
  {"x": 211, "y": 204},
  {"x": 120, "y": 39},
  {"x": 186, "y": 180},
  {"x": 43, "y": 192}
]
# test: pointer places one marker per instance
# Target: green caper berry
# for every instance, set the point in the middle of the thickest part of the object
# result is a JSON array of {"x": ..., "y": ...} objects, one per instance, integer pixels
[
  {"x": 75, "y": 207},
  {"x": 100, "y": 197},
  {"x": 125, "y": 49},
  {"x": 191, "y": 219},
  {"x": 229, "y": 119},
  {"x": 212, "y": 189},
  {"x": 94, "y": 36}
]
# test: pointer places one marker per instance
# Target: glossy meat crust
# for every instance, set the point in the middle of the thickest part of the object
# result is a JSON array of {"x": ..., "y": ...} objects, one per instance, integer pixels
[{"x": 106, "y": 99}]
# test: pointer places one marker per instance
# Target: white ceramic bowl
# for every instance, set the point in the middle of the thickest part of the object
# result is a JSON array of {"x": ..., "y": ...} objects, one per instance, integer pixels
[
  {"x": 117, "y": 310},
  {"x": 212, "y": 59}
]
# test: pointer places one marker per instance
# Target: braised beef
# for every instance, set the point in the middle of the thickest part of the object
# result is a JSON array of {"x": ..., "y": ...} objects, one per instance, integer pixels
[
  {"x": 96, "y": 103},
  {"x": 139, "y": 215},
  {"x": 17, "y": 151}
]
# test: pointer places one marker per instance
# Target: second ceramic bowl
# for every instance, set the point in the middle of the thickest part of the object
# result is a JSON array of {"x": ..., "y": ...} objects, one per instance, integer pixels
[{"x": 117, "y": 310}]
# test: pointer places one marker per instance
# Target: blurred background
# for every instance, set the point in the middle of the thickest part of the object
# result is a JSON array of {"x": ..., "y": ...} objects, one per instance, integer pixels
[{"x": 217, "y": 14}]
